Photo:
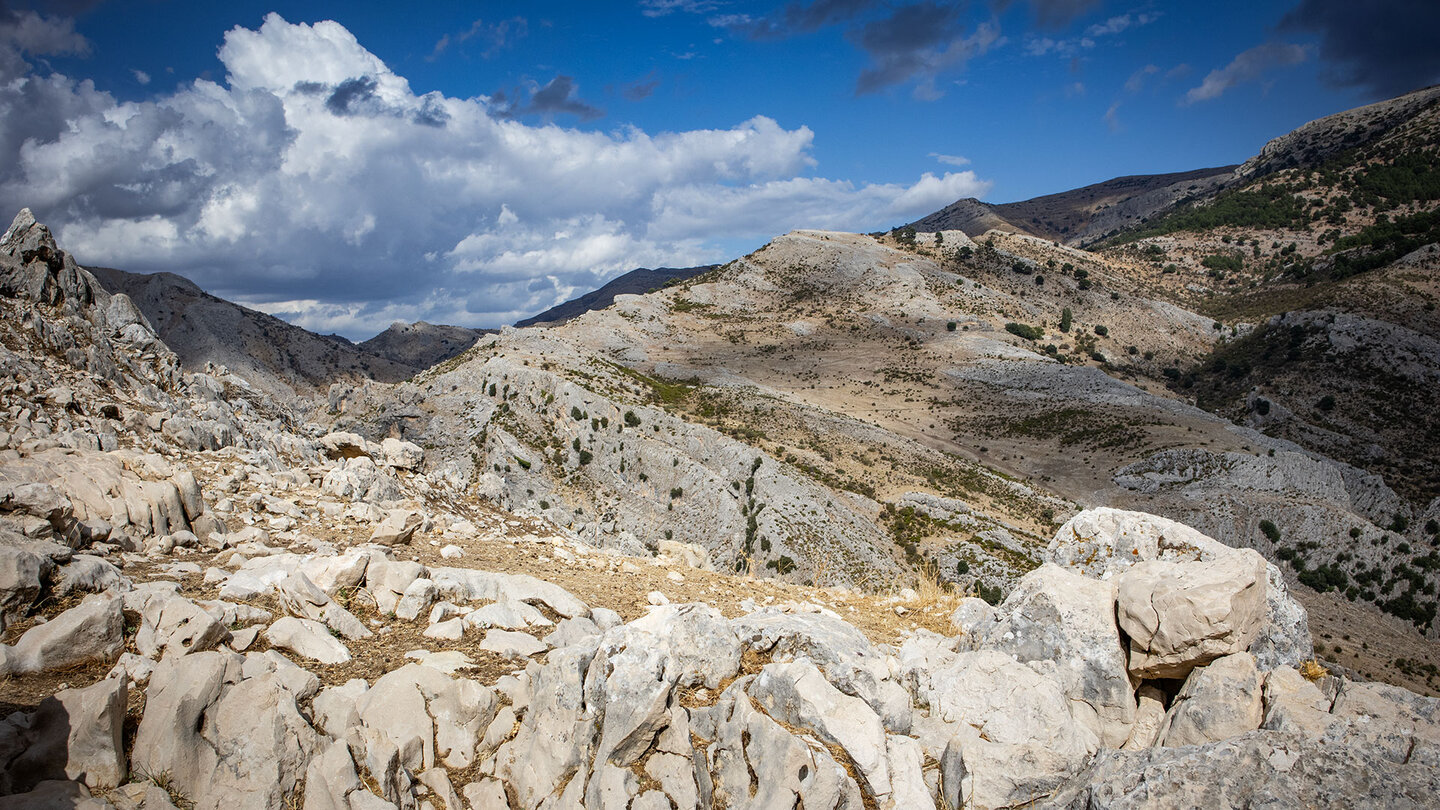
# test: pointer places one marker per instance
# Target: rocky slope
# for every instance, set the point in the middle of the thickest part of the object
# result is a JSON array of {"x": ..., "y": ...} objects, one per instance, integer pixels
[
  {"x": 209, "y": 600},
  {"x": 421, "y": 345},
  {"x": 634, "y": 282}
]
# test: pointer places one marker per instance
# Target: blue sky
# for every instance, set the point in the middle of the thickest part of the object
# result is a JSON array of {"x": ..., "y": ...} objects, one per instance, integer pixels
[{"x": 477, "y": 162}]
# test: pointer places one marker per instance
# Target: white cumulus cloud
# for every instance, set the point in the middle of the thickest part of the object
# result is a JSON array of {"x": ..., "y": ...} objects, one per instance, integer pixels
[{"x": 314, "y": 183}]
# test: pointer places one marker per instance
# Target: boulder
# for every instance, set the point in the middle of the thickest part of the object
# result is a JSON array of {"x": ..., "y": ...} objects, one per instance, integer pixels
[
  {"x": 76, "y": 734},
  {"x": 21, "y": 573},
  {"x": 754, "y": 762},
  {"x": 1063, "y": 625},
  {"x": 1294, "y": 704},
  {"x": 93, "y": 630},
  {"x": 843, "y": 653},
  {"x": 797, "y": 694},
  {"x": 402, "y": 455},
  {"x": 512, "y": 644},
  {"x": 225, "y": 741},
  {"x": 1180, "y": 615},
  {"x": 556, "y": 734},
  {"x": 1257, "y": 769},
  {"x": 1219, "y": 701},
  {"x": 397, "y": 528},
  {"x": 469, "y": 585},
  {"x": 341, "y": 445},
  {"x": 427, "y": 716},
  {"x": 1104, "y": 542},
  {"x": 308, "y": 639},
  {"x": 173, "y": 625}
]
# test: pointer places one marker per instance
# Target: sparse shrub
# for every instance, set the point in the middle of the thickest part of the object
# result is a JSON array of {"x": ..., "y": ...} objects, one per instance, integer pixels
[
  {"x": 1399, "y": 523},
  {"x": 676, "y": 492},
  {"x": 1066, "y": 318},
  {"x": 544, "y": 504},
  {"x": 1101, "y": 330},
  {"x": 1262, "y": 406},
  {"x": 576, "y": 413},
  {"x": 524, "y": 464},
  {"x": 962, "y": 568},
  {"x": 631, "y": 419},
  {"x": 1270, "y": 530},
  {"x": 586, "y": 457},
  {"x": 950, "y": 327},
  {"x": 1326, "y": 403}
]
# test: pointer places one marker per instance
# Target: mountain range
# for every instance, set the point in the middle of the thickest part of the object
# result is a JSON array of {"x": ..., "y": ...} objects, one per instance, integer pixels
[{"x": 961, "y": 514}]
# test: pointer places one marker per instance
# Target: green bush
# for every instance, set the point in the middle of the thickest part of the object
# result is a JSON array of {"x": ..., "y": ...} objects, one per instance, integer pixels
[
  {"x": 631, "y": 419},
  {"x": 1025, "y": 331},
  {"x": 1066, "y": 319},
  {"x": 950, "y": 327},
  {"x": 1224, "y": 262},
  {"x": 1270, "y": 530},
  {"x": 586, "y": 457},
  {"x": 676, "y": 492},
  {"x": 1102, "y": 331}
]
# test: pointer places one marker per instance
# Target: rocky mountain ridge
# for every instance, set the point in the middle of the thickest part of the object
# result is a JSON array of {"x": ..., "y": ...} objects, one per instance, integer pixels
[{"x": 252, "y": 609}]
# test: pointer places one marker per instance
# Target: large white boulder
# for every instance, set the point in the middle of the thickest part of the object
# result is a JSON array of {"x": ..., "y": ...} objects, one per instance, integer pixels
[
  {"x": 1180, "y": 615},
  {"x": 1063, "y": 624}
]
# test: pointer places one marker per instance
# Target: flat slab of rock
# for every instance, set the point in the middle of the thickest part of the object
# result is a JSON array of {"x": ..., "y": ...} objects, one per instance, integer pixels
[
  {"x": 512, "y": 644},
  {"x": 308, "y": 639}
]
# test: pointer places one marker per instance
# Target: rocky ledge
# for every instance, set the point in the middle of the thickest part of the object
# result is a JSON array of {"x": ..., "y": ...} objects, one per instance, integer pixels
[{"x": 1143, "y": 665}]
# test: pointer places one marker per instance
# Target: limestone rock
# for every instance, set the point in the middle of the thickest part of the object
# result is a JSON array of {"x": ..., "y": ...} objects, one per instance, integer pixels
[
  {"x": 1219, "y": 701},
  {"x": 512, "y": 644},
  {"x": 401, "y": 454},
  {"x": 307, "y": 638},
  {"x": 798, "y": 694},
  {"x": 754, "y": 762},
  {"x": 1258, "y": 769},
  {"x": 20, "y": 580},
  {"x": 91, "y": 631},
  {"x": 1104, "y": 542},
  {"x": 1182, "y": 615},
  {"x": 468, "y": 585},
  {"x": 397, "y": 528},
  {"x": 1063, "y": 624},
  {"x": 837, "y": 648},
  {"x": 76, "y": 734}
]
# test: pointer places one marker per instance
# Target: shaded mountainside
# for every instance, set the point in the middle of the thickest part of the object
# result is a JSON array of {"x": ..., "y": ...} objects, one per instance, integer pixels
[
  {"x": 634, "y": 282},
  {"x": 273, "y": 355},
  {"x": 1079, "y": 216},
  {"x": 421, "y": 345}
]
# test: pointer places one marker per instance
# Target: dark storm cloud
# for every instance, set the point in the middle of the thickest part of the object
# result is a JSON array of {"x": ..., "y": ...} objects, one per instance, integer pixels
[
  {"x": 1053, "y": 13},
  {"x": 801, "y": 18},
  {"x": 352, "y": 95},
  {"x": 559, "y": 96},
  {"x": 1385, "y": 47}
]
